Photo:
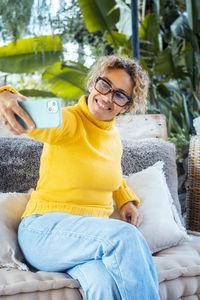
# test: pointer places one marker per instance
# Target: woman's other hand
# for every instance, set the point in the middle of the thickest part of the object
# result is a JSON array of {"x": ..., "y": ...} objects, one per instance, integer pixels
[
  {"x": 129, "y": 213},
  {"x": 8, "y": 107}
]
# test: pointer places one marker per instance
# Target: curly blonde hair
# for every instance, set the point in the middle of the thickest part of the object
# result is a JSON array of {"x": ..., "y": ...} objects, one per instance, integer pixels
[{"x": 138, "y": 75}]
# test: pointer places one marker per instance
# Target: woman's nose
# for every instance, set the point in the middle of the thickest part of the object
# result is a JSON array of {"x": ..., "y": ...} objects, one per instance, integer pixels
[{"x": 108, "y": 97}]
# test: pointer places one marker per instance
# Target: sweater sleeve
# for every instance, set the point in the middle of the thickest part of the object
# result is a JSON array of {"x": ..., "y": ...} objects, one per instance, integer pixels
[
  {"x": 52, "y": 135},
  {"x": 124, "y": 194},
  {"x": 10, "y": 89}
]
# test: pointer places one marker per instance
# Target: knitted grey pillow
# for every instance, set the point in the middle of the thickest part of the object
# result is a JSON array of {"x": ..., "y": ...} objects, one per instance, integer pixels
[
  {"x": 19, "y": 164},
  {"x": 140, "y": 154}
]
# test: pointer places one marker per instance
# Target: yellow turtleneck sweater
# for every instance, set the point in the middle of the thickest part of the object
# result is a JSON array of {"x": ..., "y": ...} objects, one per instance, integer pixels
[{"x": 80, "y": 169}]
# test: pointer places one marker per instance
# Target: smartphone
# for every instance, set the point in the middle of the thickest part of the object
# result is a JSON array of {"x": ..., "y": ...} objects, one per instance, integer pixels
[{"x": 45, "y": 113}]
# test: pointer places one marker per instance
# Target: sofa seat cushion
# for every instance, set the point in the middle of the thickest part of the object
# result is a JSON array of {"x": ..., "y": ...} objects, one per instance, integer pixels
[
  {"x": 178, "y": 270},
  {"x": 182, "y": 288},
  {"x": 59, "y": 294},
  {"x": 14, "y": 281}
]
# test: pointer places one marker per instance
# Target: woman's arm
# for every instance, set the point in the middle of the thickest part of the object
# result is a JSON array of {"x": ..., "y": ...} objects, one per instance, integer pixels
[
  {"x": 124, "y": 194},
  {"x": 9, "y": 106},
  {"x": 127, "y": 203}
]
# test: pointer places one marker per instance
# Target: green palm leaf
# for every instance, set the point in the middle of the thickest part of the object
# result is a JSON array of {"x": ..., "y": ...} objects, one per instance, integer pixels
[
  {"x": 99, "y": 15},
  {"x": 149, "y": 34},
  {"x": 164, "y": 63},
  {"x": 197, "y": 100},
  {"x": 67, "y": 80},
  {"x": 29, "y": 55},
  {"x": 123, "y": 44},
  {"x": 96, "y": 14},
  {"x": 37, "y": 93},
  {"x": 124, "y": 25},
  {"x": 186, "y": 113}
]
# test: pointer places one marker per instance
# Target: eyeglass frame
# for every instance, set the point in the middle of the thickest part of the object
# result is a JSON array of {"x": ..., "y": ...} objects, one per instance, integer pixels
[{"x": 111, "y": 90}]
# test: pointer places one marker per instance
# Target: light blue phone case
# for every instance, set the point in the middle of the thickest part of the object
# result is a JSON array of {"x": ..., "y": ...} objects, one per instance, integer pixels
[{"x": 45, "y": 113}]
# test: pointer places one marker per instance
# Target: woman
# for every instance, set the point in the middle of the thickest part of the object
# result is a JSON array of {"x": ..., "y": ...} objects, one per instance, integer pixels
[{"x": 65, "y": 226}]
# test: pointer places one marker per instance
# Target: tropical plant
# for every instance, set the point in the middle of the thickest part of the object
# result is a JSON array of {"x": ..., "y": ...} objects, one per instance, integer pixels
[
  {"x": 29, "y": 55},
  {"x": 15, "y": 17},
  {"x": 170, "y": 53},
  {"x": 99, "y": 16},
  {"x": 169, "y": 47},
  {"x": 67, "y": 80},
  {"x": 23, "y": 57}
]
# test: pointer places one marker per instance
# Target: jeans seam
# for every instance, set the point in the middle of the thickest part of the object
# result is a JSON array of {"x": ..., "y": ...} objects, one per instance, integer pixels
[
  {"x": 82, "y": 275},
  {"x": 92, "y": 237},
  {"x": 85, "y": 279},
  {"x": 118, "y": 267}
]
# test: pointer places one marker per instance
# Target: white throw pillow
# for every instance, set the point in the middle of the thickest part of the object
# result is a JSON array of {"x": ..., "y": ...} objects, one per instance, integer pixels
[
  {"x": 161, "y": 225},
  {"x": 12, "y": 206}
]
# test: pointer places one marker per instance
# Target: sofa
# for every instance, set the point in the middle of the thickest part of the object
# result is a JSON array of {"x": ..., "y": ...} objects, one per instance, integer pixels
[{"x": 149, "y": 166}]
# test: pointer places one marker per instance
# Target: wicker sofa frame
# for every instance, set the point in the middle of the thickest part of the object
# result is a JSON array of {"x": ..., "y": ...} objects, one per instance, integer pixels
[{"x": 193, "y": 188}]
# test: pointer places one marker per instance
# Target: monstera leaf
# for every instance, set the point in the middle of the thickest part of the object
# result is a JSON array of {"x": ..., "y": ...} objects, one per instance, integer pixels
[
  {"x": 29, "y": 55},
  {"x": 67, "y": 80}
]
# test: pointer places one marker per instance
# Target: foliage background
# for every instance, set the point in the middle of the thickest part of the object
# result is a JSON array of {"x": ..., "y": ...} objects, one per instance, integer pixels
[{"x": 49, "y": 45}]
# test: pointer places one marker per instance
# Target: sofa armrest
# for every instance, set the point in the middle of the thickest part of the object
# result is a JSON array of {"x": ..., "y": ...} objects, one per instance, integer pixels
[{"x": 193, "y": 188}]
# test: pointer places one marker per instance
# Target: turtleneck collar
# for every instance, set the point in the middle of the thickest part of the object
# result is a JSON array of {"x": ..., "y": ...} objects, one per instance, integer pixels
[{"x": 84, "y": 108}]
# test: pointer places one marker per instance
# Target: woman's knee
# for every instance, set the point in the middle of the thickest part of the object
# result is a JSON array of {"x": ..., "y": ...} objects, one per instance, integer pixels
[{"x": 123, "y": 230}]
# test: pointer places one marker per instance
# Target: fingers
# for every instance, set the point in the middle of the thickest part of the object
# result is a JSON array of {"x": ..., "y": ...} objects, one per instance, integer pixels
[
  {"x": 136, "y": 219},
  {"x": 22, "y": 98},
  {"x": 132, "y": 218},
  {"x": 128, "y": 217},
  {"x": 24, "y": 116},
  {"x": 139, "y": 220},
  {"x": 123, "y": 217},
  {"x": 13, "y": 125},
  {"x": 9, "y": 107}
]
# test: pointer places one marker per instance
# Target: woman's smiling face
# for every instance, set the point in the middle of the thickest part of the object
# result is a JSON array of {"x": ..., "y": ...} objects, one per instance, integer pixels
[{"x": 101, "y": 106}]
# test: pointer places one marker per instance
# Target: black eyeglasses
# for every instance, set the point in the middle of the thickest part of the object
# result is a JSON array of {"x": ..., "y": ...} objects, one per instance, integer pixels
[{"x": 102, "y": 86}]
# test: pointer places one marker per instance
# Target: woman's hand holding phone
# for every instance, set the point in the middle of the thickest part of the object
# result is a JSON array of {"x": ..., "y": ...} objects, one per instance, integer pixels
[{"x": 9, "y": 106}]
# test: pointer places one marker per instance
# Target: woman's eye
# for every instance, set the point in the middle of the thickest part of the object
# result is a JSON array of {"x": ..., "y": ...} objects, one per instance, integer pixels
[
  {"x": 120, "y": 96},
  {"x": 104, "y": 85}
]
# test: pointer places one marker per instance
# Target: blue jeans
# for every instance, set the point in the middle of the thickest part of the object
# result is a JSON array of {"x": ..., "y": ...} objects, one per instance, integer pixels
[{"x": 109, "y": 258}]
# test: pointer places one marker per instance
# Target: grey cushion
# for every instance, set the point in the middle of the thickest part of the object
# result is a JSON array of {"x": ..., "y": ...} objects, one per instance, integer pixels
[
  {"x": 140, "y": 154},
  {"x": 19, "y": 164}
]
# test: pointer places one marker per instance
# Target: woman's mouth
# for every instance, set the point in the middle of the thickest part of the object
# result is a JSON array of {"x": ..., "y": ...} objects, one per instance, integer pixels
[{"x": 101, "y": 105}]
